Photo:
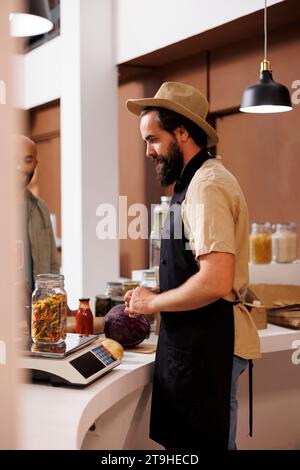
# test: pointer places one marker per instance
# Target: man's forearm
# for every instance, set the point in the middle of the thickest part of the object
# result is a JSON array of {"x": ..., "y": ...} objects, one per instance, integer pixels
[
  {"x": 213, "y": 281},
  {"x": 194, "y": 293}
]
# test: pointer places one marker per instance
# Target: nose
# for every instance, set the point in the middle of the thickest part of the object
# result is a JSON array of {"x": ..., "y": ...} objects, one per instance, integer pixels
[{"x": 150, "y": 152}]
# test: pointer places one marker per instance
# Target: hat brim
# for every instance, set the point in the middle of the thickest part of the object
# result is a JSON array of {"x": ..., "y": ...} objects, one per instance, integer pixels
[{"x": 137, "y": 106}]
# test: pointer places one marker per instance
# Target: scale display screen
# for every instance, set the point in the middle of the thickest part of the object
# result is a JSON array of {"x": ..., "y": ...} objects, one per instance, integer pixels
[{"x": 93, "y": 361}]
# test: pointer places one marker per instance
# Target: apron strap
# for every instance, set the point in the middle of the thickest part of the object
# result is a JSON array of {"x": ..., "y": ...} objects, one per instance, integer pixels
[{"x": 250, "y": 397}]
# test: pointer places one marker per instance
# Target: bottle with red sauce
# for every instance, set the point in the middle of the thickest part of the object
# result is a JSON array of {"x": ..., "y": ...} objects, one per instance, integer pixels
[{"x": 84, "y": 320}]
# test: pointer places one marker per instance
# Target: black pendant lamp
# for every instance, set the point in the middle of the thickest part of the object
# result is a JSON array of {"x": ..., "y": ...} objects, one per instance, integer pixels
[
  {"x": 266, "y": 95},
  {"x": 37, "y": 21}
]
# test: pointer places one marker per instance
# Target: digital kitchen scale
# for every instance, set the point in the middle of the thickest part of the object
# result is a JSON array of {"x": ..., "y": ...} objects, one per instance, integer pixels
[{"x": 79, "y": 361}]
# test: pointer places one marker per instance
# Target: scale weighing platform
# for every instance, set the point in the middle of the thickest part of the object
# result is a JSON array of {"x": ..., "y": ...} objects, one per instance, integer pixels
[{"x": 79, "y": 361}]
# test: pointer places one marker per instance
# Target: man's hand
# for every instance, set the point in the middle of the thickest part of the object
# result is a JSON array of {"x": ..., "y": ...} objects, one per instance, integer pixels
[{"x": 139, "y": 301}]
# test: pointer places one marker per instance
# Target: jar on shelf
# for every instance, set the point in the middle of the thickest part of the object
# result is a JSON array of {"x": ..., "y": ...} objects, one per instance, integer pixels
[
  {"x": 102, "y": 305},
  {"x": 84, "y": 320},
  {"x": 284, "y": 243},
  {"x": 114, "y": 289},
  {"x": 260, "y": 244},
  {"x": 149, "y": 279},
  {"x": 49, "y": 310},
  {"x": 130, "y": 285}
]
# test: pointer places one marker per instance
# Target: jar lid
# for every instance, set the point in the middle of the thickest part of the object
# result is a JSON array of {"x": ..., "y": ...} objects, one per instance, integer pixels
[
  {"x": 149, "y": 274},
  {"x": 131, "y": 283},
  {"x": 103, "y": 297},
  {"x": 49, "y": 280},
  {"x": 84, "y": 300},
  {"x": 50, "y": 276}
]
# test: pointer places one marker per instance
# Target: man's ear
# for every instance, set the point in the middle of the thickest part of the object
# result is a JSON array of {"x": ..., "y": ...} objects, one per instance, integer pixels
[{"x": 182, "y": 133}]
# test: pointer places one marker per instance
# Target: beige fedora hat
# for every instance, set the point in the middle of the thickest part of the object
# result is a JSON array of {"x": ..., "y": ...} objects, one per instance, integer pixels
[{"x": 183, "y": 99}]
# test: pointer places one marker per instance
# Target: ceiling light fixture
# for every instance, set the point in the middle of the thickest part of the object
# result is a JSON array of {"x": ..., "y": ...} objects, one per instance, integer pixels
[
  {"x": 266, "y": 95},
  {"x": 37, "y": 21}
]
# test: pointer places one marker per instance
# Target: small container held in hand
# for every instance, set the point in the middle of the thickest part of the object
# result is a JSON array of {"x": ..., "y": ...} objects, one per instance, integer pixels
[{"x": 84, "y": 320}]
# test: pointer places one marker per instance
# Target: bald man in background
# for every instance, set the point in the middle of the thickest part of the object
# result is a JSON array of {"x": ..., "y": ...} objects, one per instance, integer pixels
[{"x": 39, "y": 249}]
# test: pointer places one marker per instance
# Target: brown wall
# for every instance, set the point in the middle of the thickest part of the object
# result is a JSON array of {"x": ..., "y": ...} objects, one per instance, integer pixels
[
  {"x": 137, "y": 177},
  {"x": 262, "y": 151},
  {"x": 45, "y": 131}
]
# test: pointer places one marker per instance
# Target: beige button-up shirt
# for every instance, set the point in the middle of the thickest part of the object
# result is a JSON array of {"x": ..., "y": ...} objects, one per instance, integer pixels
[{"x": 215, "y": 218}]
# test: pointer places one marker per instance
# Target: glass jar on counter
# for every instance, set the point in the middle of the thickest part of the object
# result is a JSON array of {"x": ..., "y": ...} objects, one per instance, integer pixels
[
  {"x": 285, "y": 243},
  {"x": 102, "y": 305},
  {"x": 260, "y": 244},
  {"x": 49, "y": 310},
  {"x": 117, "y": 300}
]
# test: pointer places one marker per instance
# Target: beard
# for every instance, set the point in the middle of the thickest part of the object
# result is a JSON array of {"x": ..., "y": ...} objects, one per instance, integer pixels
[
  {"x": 27, "y": 178},
  {"x": 169, "y": 167}
]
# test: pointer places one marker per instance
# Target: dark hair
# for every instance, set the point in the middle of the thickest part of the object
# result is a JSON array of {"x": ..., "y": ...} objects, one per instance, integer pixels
[{"x": 169, "y": 121}]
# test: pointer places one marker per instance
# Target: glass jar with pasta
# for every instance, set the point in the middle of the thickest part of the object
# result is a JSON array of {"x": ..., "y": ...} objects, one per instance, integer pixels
[
  {"x": 260, "y": 244},
  {"x": 49, "y": 310}
]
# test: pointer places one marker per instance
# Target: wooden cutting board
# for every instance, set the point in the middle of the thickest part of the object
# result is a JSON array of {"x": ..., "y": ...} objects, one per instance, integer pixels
[{"x": 143, "y": 348}]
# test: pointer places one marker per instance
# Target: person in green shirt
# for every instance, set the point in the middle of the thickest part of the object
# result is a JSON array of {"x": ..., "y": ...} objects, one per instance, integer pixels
[{"x": 37, "y": 238}]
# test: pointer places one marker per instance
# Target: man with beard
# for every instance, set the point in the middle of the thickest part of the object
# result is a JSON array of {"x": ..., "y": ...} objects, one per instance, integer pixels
[
  {"x": 207, "y": 335},
  {"x": 38, "y": 245}
]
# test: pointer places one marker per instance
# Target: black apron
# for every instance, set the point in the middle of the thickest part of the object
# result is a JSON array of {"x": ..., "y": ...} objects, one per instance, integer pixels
[{"x": 192, "y": 376}]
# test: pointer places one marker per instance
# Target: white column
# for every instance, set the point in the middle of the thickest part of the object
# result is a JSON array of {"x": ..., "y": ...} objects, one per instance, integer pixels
[
  {"x": 89, "y": 144},
  {"x": 8, "y": 383}
]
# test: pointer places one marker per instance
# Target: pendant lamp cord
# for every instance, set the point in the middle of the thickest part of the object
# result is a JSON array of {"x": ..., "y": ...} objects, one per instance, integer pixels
[{"x": 265, "y": 28}]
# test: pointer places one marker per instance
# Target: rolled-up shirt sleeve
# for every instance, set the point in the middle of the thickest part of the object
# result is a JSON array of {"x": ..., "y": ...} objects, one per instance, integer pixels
[{"x": 208, "y": 216}]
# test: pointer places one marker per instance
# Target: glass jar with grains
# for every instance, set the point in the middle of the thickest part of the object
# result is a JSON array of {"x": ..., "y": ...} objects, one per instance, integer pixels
[
  {"x": 284, "y": 243},
  {"x": 49, "y": 310},
  {"x": 260, "y": 244}
]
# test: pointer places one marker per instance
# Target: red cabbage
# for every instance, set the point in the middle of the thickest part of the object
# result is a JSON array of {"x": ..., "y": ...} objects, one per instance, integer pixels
[{"x": 126, "y": 330}]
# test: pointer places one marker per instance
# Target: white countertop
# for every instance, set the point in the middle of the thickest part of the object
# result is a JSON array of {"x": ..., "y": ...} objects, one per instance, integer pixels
[
  {"x": 277, "y": 338},
  {"x": 59, "y": 417}
]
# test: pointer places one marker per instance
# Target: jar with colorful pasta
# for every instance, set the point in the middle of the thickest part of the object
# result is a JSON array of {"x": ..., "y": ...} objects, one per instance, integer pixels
[
  {"x": 260, "y": 244},
  {"x": 49, "y": 310}
]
